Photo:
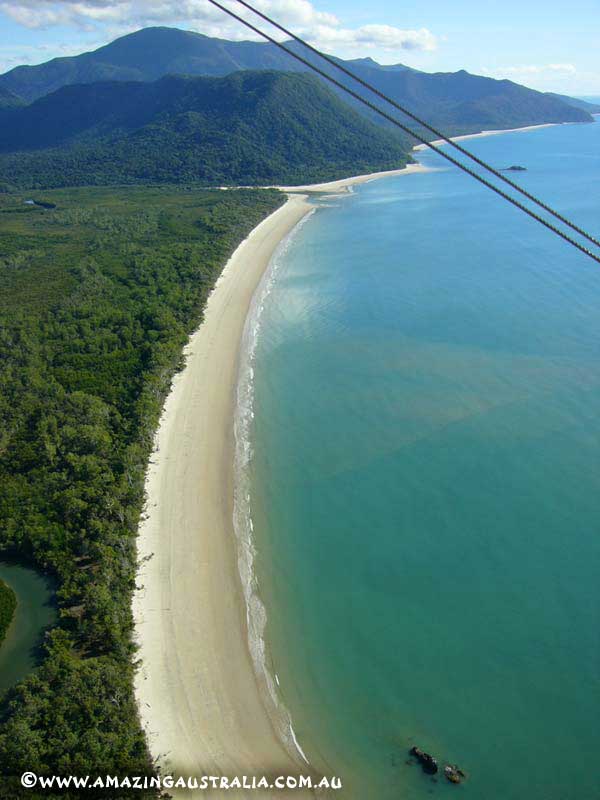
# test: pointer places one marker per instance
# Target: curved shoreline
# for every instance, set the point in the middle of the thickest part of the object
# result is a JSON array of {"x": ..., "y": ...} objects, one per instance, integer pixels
[
  {"x": 204, "y": 708},
  {"x": 344, "y": 185},
  {"x": 495, "y": 132},
  {"x": 256, "y": 613},
  {"x": 198, "y": 696}
]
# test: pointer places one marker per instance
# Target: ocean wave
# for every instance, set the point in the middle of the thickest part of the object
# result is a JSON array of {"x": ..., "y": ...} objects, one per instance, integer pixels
[{"x": 256, "y": 614}]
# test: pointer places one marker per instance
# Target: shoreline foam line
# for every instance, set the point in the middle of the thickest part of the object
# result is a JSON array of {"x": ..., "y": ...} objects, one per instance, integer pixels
[
  {"x": 197, "y": 691},
  {"x": 256, "y": 613},
  {"x": 267, "y": 678}
]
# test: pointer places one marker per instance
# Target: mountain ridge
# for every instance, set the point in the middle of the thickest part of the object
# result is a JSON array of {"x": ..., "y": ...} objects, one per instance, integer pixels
[
  {"x": 249, "y": 128},
  {"x": 586, "y": 105},
  {"x": 461, "y": 102}
]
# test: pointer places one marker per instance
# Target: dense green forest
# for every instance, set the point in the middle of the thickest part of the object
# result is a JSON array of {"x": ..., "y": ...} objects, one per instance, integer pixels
[
  {"x": 8, "y": 604},
  {"x": 250, "y": 128},
  {"x": 97, "y": 297}
]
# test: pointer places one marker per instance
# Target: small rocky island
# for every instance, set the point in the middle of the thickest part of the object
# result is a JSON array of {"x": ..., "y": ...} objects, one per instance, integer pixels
[
  {"x": 454, "y": 774},
  {"x": 428, "y": 762},
  {"x": 429, "y": 765},
  {"x": 514, "y": 168}
]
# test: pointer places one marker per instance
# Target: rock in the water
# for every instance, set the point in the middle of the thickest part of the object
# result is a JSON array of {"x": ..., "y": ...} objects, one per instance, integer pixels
[
  {"x": 428, "y": 762},
  {"x": 454, "y": 774}
]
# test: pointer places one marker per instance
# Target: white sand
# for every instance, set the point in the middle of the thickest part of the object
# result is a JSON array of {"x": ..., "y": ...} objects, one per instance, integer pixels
[
  {"x": 345, "y": 184},
  {"x": 201, "y": 704},
  {"x": 197, "y": 692},
  {"x": 439, "y": 142}
]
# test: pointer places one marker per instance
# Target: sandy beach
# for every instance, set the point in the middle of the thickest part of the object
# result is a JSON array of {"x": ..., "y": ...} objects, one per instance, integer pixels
[
  {"x": 201, "y": 703},
  {"x": 198, "y": 696},
  {"x": 482, "y": 134},
  {"x": 345, "y": 184}
]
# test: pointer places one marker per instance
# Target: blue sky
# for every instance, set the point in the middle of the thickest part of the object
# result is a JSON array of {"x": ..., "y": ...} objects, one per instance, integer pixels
[{"x": 547, "y": 45}]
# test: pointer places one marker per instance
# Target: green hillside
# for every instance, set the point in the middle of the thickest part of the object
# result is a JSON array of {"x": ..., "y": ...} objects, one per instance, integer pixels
[
  {"x": 459, "y": 101},
  {"x": 146, "y": 55},
  {"x": 591, "y": 106},
  {"x": 248, "y": 128},
  {"x": 8, "y": 99}
]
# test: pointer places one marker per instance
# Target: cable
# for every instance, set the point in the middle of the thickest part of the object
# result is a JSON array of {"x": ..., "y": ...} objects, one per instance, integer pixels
[
  {"x": 417, "y": 136},
  {"x": 424, "y": 124}
]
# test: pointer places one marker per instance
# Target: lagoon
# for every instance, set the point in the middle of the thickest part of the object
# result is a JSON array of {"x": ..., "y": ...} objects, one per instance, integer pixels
[{"x": 33, "y": 615}]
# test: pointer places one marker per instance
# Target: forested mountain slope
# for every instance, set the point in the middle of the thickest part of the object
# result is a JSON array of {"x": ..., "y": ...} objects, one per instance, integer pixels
[{"x": 246, "y": 128}]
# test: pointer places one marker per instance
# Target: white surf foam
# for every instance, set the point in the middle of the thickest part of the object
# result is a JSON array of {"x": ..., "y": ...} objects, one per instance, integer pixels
[{"x": 242, "y": 511}]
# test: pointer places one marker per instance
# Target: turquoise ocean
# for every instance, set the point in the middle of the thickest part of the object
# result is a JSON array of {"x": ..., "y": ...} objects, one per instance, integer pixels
[{"x": 423, "y": 476}]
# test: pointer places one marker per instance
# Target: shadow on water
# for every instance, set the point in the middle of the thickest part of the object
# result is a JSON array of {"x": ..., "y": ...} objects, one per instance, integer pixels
[{"x": 35, "y": 614}]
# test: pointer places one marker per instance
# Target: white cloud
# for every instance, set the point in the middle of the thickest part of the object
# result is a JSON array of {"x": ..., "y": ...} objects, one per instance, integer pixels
[
  {"x": 15, "y": 55},
  {"x": 383, "y": 37},
  {"x": 537, "y": 69},
  {"x": 115, "y": 17},
  {"x": 564, "y": 78}
]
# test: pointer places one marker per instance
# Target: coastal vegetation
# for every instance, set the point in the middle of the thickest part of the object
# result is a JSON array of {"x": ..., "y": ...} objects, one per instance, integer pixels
[
  {"x": 250, "y": 128},
  {"x": 8, "y": 605},
  {"x": 98, "y": 295}
]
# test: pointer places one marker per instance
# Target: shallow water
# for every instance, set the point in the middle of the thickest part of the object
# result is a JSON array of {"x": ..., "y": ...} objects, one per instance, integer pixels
[
  {"x": 425, "y": 481},
  {"x": 34, "y": 613}
]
